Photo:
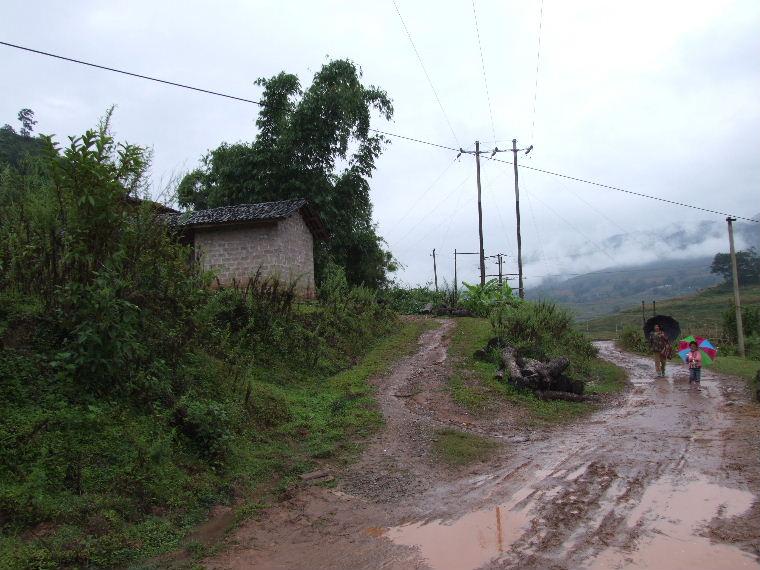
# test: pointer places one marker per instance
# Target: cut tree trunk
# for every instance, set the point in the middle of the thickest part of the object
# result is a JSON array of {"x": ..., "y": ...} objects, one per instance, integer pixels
[{"x": 539, "y": 376}]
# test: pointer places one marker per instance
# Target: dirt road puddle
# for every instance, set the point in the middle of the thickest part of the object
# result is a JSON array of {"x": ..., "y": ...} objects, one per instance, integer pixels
[
  {"x": 468, "y": 542},
  {"x": 674, "y": 517}
]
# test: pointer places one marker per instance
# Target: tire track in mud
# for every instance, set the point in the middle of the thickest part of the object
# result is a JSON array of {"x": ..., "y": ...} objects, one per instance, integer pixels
[{"x": 668, "y": 473}]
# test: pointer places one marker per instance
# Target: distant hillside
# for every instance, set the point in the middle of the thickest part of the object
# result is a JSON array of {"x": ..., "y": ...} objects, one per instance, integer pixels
[
  {"x": 700, "y": 313},
  {"x": 15, "y": 147},
  {"x": 609, "y": 291}
]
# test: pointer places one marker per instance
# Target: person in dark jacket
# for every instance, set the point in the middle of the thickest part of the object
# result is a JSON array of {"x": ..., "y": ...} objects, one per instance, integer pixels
[{"x": 661, "y": 349}]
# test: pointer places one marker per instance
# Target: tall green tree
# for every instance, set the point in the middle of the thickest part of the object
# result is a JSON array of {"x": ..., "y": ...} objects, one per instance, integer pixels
[
  {"x": 747, "y": 266},
  {"x": 315, "y": 144}
]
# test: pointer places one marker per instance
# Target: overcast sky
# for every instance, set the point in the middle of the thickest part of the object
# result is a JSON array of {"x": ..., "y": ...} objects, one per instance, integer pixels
[{"x": 660, "y": 97}]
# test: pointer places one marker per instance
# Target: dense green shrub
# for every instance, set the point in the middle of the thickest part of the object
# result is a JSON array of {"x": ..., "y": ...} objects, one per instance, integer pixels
[
  {"x": 632, "y": 338},
  {"x": 133, "y": 397},
  {"x": 542, "y": 331},
  {"x": 482, "y": 299},
  {"x": 751, "y": 326},
  {"x": 412, "y": 300}
]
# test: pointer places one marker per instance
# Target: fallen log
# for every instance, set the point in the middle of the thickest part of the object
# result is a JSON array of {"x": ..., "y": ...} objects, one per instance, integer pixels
[{"x": 538, "y": 376}]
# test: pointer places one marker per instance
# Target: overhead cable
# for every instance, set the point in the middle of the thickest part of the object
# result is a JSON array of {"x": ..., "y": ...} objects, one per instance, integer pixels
[
  {"x": 424, "y": 70},
  {"x": 379, "y": 131}
]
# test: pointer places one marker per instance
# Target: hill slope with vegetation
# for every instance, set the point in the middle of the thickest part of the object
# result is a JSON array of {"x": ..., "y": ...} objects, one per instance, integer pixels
[
  {"x": 610, "y": 291},
  {"x": 133, "y": 396}
]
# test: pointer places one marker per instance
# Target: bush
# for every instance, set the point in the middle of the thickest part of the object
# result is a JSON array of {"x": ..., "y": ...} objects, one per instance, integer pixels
[
  {"x": 411, "y": 301},
  {"x": 751, "y": 327},
  {"x": 632, "y": 338},
  {"x": 482, "y": 299},
  {"x": 542, "y": 331},
  {"x": 132, "y": 396}
]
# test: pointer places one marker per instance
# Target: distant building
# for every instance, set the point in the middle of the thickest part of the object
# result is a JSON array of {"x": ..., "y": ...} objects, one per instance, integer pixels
[{"x": 275, "y": 238}]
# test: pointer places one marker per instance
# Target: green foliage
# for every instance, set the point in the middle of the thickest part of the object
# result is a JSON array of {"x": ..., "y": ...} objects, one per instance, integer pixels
[
  {"x": 473, "y": 385},
  {"x": 313, "y": 143},
  {"x": 411, "y": 301},
  {"x": 632, "y": 339},
  {"x": 751, "y": 327},
  {"x": 133, "y": 397},
  {"x": 482, "y": 299},
  {"x": 747, "y": 266},
  {"x": 543, "y": 331}
]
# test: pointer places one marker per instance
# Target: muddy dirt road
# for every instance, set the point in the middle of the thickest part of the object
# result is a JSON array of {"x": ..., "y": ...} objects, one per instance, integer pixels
[{"x": 667, "y": 477}]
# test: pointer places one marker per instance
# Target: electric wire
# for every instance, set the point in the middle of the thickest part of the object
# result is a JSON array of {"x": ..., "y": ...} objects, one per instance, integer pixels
[
  {"x": 483, "y": 68},
  {"x": 424, "y": 70},
  {"x": 541, "y": 250},
  {"x": 618, "y": 189},
  {"x": 412, "y": 208},
  {"x": 538, "y": 62},
  {"x": 433, "y": 209},
  {"x": 386, "y": 133},
  {"x": 571, "y": 226}
]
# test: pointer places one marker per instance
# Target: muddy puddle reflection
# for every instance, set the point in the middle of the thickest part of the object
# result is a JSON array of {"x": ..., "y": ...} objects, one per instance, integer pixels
[
  {"x": 674, "y": 516},
  {"x": 465, "y": 543}
]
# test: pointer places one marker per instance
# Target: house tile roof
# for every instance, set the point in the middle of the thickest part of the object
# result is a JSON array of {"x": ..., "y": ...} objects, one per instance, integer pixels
[{"x": 245, "y": 213}]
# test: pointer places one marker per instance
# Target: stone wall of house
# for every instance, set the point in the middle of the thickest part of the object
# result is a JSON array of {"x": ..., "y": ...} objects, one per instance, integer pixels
[{"x": 283, "y": 249}]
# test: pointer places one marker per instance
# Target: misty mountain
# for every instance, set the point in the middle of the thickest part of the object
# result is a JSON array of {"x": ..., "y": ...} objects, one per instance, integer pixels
[{"x": 610, "y": 290}]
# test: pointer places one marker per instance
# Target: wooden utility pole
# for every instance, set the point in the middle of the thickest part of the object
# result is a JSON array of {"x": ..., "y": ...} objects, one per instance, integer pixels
[
  {"x": 480, "y": 218},
  {"x": 435, "y": 272},
  {"x": 643, "y": 313},
  {"x": 456, "y": 291},
  {"x": 500, "y": 276},
  {"x": 476, "y": 152},
  {"x": 517, "y": 212},
  {"x": 515, "y": 150},
  {"x": 737, "y": 301}
]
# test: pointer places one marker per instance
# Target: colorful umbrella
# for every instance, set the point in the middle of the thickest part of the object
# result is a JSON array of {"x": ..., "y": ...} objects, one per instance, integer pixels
[{"x": 709, "y": 352}]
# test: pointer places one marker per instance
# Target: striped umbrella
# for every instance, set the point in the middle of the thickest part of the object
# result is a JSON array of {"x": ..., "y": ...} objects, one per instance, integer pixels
[{"x": 708, "y": 350}]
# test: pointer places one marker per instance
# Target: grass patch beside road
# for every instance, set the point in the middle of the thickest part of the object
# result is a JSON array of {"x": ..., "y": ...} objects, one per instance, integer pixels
[
  {"x": 736, "y": 366},
  {"x": 460, "y": 448},
  {"x": 473, "y": 386}
]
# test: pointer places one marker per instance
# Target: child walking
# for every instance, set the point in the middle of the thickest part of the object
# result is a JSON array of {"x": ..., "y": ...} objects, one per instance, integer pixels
[{"x": 694, "y": 360}]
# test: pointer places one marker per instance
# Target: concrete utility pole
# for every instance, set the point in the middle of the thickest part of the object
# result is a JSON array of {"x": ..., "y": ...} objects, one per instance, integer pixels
[
  {"x": 435, "y": 272},
  {"x": 737, "y": 301},
  {"x": 480, "y": 218},
  {"x": 476, "y": 152},
  {"x": 500, "y": 260},
  {"x": 517, "y": 211},
  {"x": 456, "y": 290},
  {"x": 515, "y": 150}
]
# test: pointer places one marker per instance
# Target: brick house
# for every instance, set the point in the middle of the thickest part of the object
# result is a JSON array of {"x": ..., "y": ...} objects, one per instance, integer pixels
[{"x": 276, "y": 238}]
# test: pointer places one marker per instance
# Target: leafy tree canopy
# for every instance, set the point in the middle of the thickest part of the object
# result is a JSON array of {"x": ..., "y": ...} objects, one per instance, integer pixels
[
  {"x": 314, "y": 144},
  {"x": 15, "y": 147},
  {"x": 747, "y": 266}
]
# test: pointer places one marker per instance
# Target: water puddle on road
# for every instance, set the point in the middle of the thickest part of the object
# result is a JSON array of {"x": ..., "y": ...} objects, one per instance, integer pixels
[
  {"x": 673, "y": 516},
  {"x": 468, "y": 542}
]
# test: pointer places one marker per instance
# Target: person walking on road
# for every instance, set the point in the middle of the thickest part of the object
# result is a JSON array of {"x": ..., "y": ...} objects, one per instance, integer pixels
[
  {"x": 694, "y": 360},
  {"x": 661, "y": 349}
]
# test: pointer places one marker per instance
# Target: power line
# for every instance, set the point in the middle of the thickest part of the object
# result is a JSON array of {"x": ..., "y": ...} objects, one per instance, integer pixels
[
  {"x": 427, "y": 75},
  {"x": 571, "y": 226},
  {"x": 433, "y": 209},
  {"x": 411, "y": 208},
  {"x": 379, "y": 131},
  {"x": 198, "y": 89},
  {"x": 617, "y": 189},
  {"x": 483, "y": 68},
  {"x": 538, "y": 62}
]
